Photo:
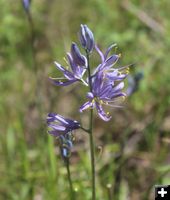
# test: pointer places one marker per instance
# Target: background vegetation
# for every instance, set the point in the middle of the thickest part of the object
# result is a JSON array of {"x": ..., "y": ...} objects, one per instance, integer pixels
[{"x": 132, "y": 149}]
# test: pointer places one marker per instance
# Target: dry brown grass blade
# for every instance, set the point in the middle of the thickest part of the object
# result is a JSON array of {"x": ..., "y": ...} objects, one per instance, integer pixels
[{"x": 143, "y": 17}]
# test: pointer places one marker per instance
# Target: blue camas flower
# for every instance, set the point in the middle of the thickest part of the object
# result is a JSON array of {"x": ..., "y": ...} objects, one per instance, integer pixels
[
  {"x": 86, "y": 38},
  {"x": 78, "y": 65},
  {"x": 58, "y": 125},
  {"x": 107, "y": 63},
  {"x": 104, "y": 92},
  {"x": 62, "y": 128}
]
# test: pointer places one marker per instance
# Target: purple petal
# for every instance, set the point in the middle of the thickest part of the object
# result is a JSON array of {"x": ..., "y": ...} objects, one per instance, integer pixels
[
  {"x": 52, "y": 117},
  {"x": 72, "y": 64},
  {"x": 90, "y": 95},
  {"x": 115, "y": 76},
  {"x": 80, "y": 72},
  {"x": 85, "y": 106},
  {"x": 55, "y": 133},
  {"x": 77, "y": 70},
  {"x": 57, "y": 127},
  {"x": 61, "y": 119},
  {"x": 118, "y": 87},
  {"x": 69, "y": 123},
  {"x": 108, "y": 50},
  {"x": 78, "y": 58},
  {"x": 97, "y": 83},
  {"x": 101, "y": 113},
  {"x": 105, "y": 91},
  {"x": 97, "y": 69},
  {"x": 100, "y": 53},
  {"x": 111, "y": 61},
  {"x": 51, "y": 114},
  {"x": 66, "y": 73},
  {"x": 62, "y": 83},
  {"x": 82, "y": 36},
  {"x": 119, "y": 94}
]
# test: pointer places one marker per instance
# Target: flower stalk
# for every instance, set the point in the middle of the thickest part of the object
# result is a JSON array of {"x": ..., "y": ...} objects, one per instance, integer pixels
[
  {"x": 109, "y": 191},
  {"x": 67, "y": 163},
  {"x": 92, "y": 152}
]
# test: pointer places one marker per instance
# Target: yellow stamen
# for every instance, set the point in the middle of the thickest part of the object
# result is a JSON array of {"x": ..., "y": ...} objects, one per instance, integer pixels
[
  {"x": 101, "y": 101},
  {"x": 65, "y": 60},
  {"x": 93, "y": 100},
  {"x": 124, "y": 97}
]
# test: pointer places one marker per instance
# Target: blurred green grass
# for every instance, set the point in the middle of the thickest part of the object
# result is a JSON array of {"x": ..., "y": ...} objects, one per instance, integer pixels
[{"x": 134, "y": 147}]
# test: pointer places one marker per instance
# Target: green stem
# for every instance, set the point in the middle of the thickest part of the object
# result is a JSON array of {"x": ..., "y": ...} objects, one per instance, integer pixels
[
  {"x": 92, "y": 153},
  {"x": 69, "y": 179},
  {"x": 84, "y": 129},
  {"x": 109, "y": 192}
]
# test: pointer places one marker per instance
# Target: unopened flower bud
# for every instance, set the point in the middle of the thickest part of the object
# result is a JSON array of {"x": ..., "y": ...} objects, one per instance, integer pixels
[{"x": 86, "y": 38}]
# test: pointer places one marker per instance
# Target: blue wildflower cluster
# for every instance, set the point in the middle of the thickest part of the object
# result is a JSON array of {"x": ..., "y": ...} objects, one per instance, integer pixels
[
  {"x": 62, "y": 128},
  {"x": 105, "y": 84}
]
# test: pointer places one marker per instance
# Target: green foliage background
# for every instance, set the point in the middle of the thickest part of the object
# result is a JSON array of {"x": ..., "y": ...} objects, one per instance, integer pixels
[{"x": 133, "y": 149}]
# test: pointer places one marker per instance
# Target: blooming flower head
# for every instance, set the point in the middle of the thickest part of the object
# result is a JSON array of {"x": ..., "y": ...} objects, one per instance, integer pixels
[
  {"x": 104, "y": 92},
  {"x": 77, "y": 63},
  {"x": 58, "y": 125},
  {"x": 86, "y": 38},
  {"x": 62, "y": 128},
  {"x": 107, "y": 63}
]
